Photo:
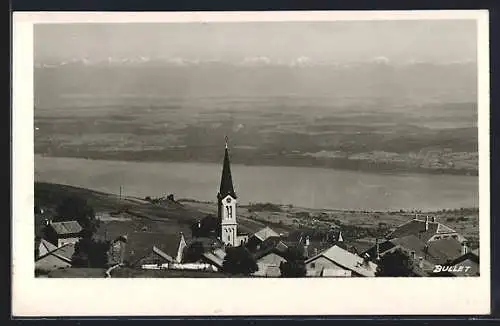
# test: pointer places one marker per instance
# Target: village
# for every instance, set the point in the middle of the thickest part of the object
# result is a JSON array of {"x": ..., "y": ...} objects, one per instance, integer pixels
[{"x": 166, "y": 237}]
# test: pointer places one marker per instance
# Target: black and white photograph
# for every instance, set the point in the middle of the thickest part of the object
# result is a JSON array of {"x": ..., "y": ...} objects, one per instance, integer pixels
[{"x": 308, "y": 149}]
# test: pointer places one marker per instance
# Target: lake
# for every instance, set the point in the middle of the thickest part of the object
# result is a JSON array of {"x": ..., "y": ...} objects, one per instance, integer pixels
[{"x": 299, "y": 186}]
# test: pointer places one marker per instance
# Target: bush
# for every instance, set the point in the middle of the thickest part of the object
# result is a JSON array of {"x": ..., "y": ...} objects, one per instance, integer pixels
[
  {"x": 91, "y": 253},
  {"x": 396, "y": 263},
  {"x": 264, "y": 207},
  {"x": 295, "y": 263},
  {"x": 75, "y": 208},
  {"x": 206, "y": 227},
  {"x": 193, "y": 252},
  {"x": 239, "y": 261}
]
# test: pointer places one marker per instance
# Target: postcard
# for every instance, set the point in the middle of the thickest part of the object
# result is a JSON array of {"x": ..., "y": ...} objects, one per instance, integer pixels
[{"x": 251, "y": 163}]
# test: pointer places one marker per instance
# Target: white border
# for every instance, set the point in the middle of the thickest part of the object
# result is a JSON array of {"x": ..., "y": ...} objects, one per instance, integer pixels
[{"x": 115, "y": 297}]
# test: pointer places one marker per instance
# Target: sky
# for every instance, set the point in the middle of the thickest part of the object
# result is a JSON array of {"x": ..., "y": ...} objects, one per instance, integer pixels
[{"x": 346, "y": 41}]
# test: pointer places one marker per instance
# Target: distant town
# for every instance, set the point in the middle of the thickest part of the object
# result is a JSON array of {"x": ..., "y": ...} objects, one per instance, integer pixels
[{"x": 84, "y": 233}]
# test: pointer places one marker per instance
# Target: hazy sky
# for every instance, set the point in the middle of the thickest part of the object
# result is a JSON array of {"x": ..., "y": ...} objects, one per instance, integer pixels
[{"x": 423, "y": 40}]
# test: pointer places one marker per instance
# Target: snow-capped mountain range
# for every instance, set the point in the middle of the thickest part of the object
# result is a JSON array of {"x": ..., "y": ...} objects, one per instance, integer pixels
[{"x": 252, "y": 61}]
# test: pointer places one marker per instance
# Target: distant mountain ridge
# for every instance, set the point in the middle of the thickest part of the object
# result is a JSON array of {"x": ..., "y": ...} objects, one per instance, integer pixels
[
  {"x": 380, "y": 81},
  {"x": 302, "y": 61}
]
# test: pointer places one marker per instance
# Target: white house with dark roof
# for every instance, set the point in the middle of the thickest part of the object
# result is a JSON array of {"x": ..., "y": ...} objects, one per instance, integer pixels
[
  {"x": 338, "y": 262},
  {"x": 61, "y": 233}
]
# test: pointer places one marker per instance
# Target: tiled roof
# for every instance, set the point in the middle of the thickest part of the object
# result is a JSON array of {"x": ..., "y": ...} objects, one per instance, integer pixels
[
  {"x": 140, "y": 244},
  {"x": 444, "y": 229},
  {"x": 219, "y": 253},
  {"x": 163, "y": 255},
  {"x": 64, "y": 253},
  {"x": 213, "y": 259},
  {"x": 45, "y": 247},
  {"x": 347, "y": 260},
  {"x": 265, "y": 233},
  {"x": 382, "y": 247},
  {"x": 417, "y": 227},
  {"x": 445, "y": 249},
  {"x": 67, "y": 227},
  {"x": 435, "y": 252}
]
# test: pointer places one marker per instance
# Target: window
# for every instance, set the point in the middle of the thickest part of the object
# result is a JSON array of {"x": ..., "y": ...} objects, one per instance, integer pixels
[
  {"x": 313, "y": 265},
  {"x": 229, "y": 210}
]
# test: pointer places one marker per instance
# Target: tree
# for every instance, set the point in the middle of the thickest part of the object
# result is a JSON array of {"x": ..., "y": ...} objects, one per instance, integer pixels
[
  {"x": 396, "y": 263},
  {"x": 193, "y": 252},
  {"x": 295, "y": 263},
  {"x": 91, "y": 253},
  {"x": 77, "y": 209},
  {"x": 206, "y": 227},
  {"x": 239, "y": 261}
]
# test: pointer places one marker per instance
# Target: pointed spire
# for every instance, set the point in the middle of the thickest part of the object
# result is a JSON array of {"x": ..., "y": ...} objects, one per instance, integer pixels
[
  {"x": 340, "y": 239},
  {"x": 226, "y": 183},
  {"x": 180, "y": 249}
]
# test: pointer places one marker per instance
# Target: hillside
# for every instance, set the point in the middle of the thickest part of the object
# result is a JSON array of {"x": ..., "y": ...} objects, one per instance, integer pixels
[{"x": 132, "y": 216}]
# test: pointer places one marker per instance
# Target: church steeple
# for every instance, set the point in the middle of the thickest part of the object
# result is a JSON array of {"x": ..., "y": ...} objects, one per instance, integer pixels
[
  {"x": 226, "y": 182},
  {"x": 227, "y": 205}
]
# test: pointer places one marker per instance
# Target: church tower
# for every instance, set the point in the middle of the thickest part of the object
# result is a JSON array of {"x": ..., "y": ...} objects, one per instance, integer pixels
[{"x": 226, "y": 199}]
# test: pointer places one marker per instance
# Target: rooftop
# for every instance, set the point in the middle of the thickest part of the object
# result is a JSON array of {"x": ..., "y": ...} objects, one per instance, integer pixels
[
  {"x": 66, "y": 227},
  {"x": 141, "y": 244},
  {"x": 436, "y": 252},
  {"x": 64, "y": 253},
  {"x": 417, "y": 227},
  {"x": 265, "y": 233},
  {"x": 347, "y": 260}
]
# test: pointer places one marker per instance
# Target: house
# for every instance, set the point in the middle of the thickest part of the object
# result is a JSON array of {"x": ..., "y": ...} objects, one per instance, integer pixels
[
  {"x": 43, "y": 247},
  {"x": 427, "y": 230},
  {"x": 214, "y": 258},
  {"x": 466, "y": 264},
  {"x": 339, "y": 262},
  {"x": 255, "y": 240},
  {"x": 425, "y": 255},
  {"x": 151, "y": 248},
  {"x": 270, "y": 257},
  {"x": 55, "y": 259},
  {"x": 61, "y": 233}
]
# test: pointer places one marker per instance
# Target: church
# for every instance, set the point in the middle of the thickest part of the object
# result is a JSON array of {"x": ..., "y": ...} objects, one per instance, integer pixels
[{"x": 226, "y": 207}]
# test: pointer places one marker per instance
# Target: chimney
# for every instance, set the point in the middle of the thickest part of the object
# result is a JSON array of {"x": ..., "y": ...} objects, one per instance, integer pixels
[
  {"x": 426, "y": 223},
  {"x": 307, "y": 241},
  {"x": 464, "y": 248},
  {"x": 433, "y": 219},
  {"x": 340, "y": 239},
  {"x": 420, "y": 262},
  {"x": 315, "y": 251}
]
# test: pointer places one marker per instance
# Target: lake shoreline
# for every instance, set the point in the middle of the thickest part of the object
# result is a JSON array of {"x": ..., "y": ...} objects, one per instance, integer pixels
[
  {"x": 120, "y": 157},
  {"x": 302, "y": 187}
]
